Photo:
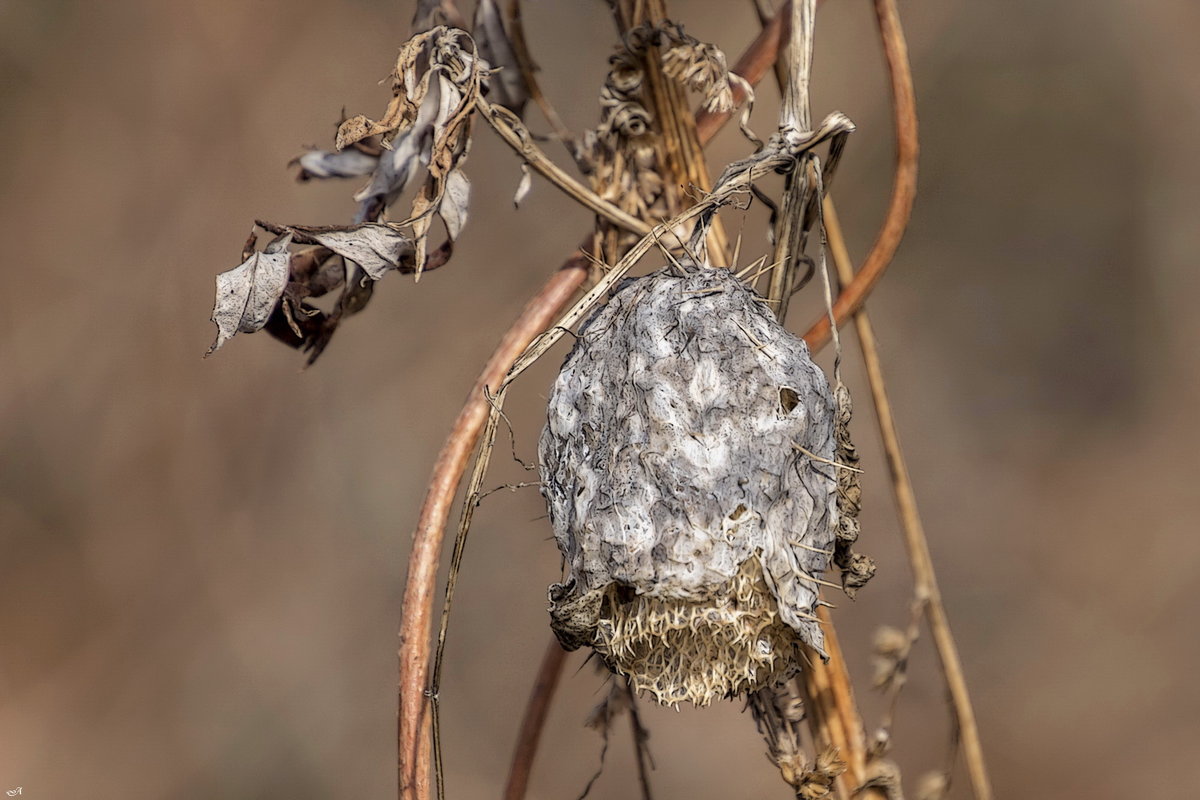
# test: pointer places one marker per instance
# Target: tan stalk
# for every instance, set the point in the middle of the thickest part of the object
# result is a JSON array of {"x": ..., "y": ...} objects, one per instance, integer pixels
[
  {"x": 516, "y": 136},
  {"x": 829, "y": 706},
  {"x": 534, "y": 720},
  {"x": 925, "y": 587}
]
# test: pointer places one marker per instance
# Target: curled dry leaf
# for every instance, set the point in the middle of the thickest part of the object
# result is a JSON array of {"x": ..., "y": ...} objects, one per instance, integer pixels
[
  {"x": 698, "y": 65},
  {"x": 376, "y": 247},
  {"x": 350, "y": 163},
  {"x": 435, "y": 85},
  {"x": 396, "y": 169},
  {"x": 523, "y": 187},
  {"x": 248, "y": 293},
  {"x": 455, "y": 199}
]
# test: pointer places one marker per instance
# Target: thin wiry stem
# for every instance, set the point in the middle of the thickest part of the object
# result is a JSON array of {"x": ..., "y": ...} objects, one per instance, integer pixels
[
  {"x": 829, "y": 701},
  {"x": 928, "y": 596},
  {"x": 516, "y": 136},
  {"x": 414, "y": 718}
]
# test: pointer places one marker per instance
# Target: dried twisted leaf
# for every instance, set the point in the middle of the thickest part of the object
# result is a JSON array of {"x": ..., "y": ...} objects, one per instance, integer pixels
[
  {"x": 376, "y": 247},
  {"x": 349, "y": 163},
  {"x": 436, "y": 83},
  {"x": 456, "y": 197},
  {"x": 410, "y": 84},
  {"x": 698, "y": 65},
  {"x": 397, "y": 167},
  {"x": 817, "y": 782},
  {"x": 933, "y": 786},
  {"x": 248, "y": 293}
]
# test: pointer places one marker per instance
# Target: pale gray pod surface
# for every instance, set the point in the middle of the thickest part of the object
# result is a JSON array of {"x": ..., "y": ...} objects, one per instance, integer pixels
[{"x": 674, "y": 467}]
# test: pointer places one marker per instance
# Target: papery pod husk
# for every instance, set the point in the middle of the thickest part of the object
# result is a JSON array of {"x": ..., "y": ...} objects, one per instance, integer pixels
[{"x": 678, "y": 466}]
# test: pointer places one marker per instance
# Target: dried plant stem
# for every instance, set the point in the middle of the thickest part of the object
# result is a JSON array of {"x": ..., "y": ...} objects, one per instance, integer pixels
[
  {"x": 641, "y": 748},
  {"x": 904, "y": 186},
  {"x": 779, "y": 716},
  {"x": 762, "y": 8},
  {"x": 795, "y": 118},
  {"x": 828, "y": 700},
  {"x": 414, "y": 719},
  {"x": 832, "y": 713},
  {"x": 928, "y": 596},
  {"x": 516, "y": 136}
]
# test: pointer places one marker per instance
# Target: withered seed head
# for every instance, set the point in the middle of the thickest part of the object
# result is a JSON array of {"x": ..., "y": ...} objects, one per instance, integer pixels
[{"x": 692, "y": 526}]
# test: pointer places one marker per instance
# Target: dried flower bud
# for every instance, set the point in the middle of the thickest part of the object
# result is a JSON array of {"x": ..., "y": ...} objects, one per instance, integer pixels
[
  {"x": 890, "y": 648},
  {"x": 678, "y": 466},
  {"x": 933, "y": 786}
]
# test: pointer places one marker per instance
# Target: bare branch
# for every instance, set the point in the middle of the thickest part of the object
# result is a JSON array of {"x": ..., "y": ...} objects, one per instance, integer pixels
[
  {"x": 414, "y": 719},
  {"x": 535, "y": 717},
  {"x": 516, "y": 136}
]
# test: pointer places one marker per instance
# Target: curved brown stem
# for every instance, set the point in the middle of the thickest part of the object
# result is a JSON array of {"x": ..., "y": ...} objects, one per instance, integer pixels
[
  {"x": 534, "y": 720},
  {"x": 415, "y": 624},
  {"x": 928, "y": 595},
  {"x": 904, "y": 185}
]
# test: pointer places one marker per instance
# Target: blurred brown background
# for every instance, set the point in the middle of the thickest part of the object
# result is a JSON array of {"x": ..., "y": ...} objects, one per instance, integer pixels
[{"x": 202, "y": 561}]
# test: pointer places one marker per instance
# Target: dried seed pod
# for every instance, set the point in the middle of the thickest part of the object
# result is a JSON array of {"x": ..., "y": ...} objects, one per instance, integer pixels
[{"x": 686, "y": 465}]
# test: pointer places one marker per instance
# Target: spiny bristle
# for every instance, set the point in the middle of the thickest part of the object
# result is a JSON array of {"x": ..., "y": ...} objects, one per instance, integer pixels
[{"x": 699, "y": 651}]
